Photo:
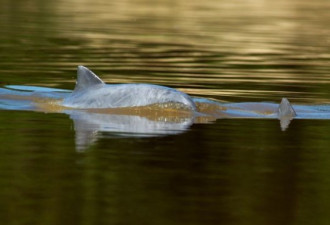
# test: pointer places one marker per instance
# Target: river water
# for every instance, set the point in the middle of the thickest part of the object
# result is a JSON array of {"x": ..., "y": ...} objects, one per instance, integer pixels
[{"x": 228, "y": 171}]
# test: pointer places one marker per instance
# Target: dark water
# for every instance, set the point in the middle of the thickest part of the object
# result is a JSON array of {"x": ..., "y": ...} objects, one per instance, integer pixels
[{"x": 231, "y": 171}]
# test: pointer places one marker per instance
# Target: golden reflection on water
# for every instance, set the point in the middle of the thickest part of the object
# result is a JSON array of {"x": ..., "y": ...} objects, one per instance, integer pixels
[
  {"x": 232, "y": 51},
  {"x": 221, "y": 49}
]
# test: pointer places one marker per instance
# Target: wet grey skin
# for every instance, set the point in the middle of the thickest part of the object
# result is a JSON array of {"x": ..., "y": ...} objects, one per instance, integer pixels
[{"x": 92, "y": 92}]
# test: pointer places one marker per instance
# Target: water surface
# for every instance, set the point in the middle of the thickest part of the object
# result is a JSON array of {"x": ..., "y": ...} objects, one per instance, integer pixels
[{"x": 230, "y": 171}]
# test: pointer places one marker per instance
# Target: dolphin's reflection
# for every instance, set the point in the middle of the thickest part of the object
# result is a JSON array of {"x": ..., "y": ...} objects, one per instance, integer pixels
[{"x": 88, "y": 126}]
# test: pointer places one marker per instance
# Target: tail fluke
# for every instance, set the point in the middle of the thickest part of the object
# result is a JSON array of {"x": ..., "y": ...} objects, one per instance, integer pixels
[{"x": 285, "y": 113}]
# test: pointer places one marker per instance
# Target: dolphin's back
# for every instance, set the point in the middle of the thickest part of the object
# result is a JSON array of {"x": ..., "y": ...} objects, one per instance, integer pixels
[
  {"x": 126, "y": 95},
  {"x": 96, "y": 94}
]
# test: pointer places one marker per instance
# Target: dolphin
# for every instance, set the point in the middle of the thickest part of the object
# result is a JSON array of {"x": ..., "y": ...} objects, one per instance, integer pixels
[{"x": 92, "y": 92}]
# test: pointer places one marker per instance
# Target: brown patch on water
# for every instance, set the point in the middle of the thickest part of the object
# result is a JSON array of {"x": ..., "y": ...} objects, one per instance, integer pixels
[
  {"x": 170, "y": 112},
  {"x": 209, "y": 108},
  {"x": 49, "y": 105},
  {"x": 157, "y": 112}
]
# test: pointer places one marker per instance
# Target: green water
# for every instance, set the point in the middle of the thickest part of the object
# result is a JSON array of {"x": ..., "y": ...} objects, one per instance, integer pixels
[{"x": 231, "y": 171}]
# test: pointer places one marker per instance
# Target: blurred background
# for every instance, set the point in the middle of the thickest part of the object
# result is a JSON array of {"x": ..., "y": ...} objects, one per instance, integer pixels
[
  {"x": 229, "y": 172},
  {"x": 227, "y": 50}
]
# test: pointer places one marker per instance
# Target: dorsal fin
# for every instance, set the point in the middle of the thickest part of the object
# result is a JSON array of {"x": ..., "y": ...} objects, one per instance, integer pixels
[{"x": 86, "y": 79}]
